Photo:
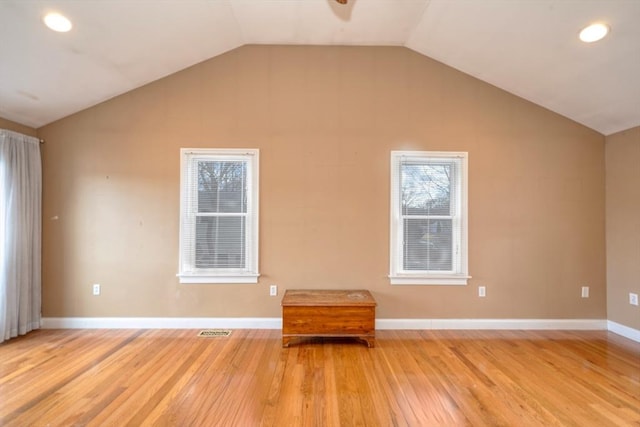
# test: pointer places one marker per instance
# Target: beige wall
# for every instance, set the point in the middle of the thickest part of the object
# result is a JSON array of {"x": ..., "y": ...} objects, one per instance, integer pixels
[
  {"x": 17, "y": 127},
  {"x": 623, "y": 225},
  {"x": 325, "y": 120}
]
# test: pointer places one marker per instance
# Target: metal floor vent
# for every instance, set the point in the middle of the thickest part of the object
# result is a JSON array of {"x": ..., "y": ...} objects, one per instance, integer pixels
[{"x": 214, "y": 333}]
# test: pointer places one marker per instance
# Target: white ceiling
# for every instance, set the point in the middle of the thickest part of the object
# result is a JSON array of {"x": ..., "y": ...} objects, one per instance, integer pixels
[{"x": 527, "y": 47}]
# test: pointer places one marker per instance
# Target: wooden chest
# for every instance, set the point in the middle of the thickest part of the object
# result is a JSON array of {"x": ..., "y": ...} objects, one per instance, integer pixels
[{"x": 328, "y": 313}]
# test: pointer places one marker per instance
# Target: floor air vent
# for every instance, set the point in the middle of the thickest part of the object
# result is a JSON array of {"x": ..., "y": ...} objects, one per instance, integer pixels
[{"x": 214, "y": 333}]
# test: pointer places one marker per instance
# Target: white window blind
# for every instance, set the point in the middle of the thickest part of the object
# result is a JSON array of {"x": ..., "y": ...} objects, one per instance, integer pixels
[
  {"x": 219, "y": 216},
  {"x": 428, "y": 218}
]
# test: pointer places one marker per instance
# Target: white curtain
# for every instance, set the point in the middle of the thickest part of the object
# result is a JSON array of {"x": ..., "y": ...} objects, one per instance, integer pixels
[{"x": 20, "y": 234}]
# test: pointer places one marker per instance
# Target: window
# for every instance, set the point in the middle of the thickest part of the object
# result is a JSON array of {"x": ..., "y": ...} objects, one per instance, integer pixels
[
  {"x": 428, "y": 218},
  {"x": 219, "y": 216}
]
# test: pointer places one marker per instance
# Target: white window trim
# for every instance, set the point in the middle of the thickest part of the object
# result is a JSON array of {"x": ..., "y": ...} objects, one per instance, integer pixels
[
  {"x": 249, "y": 274},
  {"x": 399, "y": 277}
]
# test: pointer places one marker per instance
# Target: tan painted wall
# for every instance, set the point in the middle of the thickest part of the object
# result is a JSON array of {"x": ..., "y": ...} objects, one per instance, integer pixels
[
  {"x": 325, "y": 120},
  {"x": 17, "y": 127},
  {"x": 623, "y": 225}
]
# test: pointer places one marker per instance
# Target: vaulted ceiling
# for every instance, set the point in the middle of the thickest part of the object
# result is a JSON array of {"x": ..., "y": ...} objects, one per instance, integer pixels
[{"x": 527, "y": 47}]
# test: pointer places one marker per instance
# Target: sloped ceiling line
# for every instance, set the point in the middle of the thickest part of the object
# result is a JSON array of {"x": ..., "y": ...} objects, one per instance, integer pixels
[{"x": 529, "y": 48}]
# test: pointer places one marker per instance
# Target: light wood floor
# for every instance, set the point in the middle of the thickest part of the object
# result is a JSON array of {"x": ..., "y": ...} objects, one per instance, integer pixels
[{"x": 411, "y": 378}]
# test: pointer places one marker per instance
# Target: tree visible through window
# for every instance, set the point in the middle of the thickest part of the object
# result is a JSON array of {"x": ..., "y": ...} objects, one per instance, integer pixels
[
  {"x": 428, "y": 218},
  {"x": 219, "y": 216},
  {"x": 427, "y": 215}
]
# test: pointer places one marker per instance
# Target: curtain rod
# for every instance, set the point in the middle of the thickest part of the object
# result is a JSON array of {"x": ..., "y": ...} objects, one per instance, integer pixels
[{"x": 42, "y": 141}]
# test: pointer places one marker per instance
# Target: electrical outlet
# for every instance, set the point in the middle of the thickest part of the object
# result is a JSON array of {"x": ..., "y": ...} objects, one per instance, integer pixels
[
  {"x": 482, "y": 291},
  {"x": 633, "y": 298},
  {"x": 585, "y": 292},
  {"x": 273, "y": 290},
  {"x": 96, "y": 289}
]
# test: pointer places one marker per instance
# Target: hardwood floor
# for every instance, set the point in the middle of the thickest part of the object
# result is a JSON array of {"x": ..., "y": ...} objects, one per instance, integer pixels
[{"x": 411, "y": 378}]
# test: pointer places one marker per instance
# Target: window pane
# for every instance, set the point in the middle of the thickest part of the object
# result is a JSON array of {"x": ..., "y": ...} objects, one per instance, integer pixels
[
  {"x": 222, "y": 186},
  {"x": 428, "y": 244},
  {"x": 220, "y": 242},
  {"x": 426, "y": 188}
]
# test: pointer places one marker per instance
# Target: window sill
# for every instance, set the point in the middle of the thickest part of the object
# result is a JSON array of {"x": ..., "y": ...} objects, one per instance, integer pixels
[
  {"x": 227, "y": 279},
  {"x": 429, "y": 280}
]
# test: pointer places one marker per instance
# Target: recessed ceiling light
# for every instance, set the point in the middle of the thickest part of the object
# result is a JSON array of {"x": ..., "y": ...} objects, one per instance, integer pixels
[
  {"x": 57, "y": 22},
  {"x": 594, "y": 32}
]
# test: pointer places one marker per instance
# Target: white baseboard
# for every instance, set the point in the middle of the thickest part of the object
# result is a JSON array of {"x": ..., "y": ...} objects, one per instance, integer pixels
[
  {"x": 276, "y": 323},
  {"x": 625, "y": 331},
  {"x": 161, "y": 322},
  {"x": 381, "y": 324},
  {"x": 512, "y": 324}
]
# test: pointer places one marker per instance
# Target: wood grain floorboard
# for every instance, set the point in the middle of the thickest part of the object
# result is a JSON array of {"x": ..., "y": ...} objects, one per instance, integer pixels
[{"x": 411, "y": 378}]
